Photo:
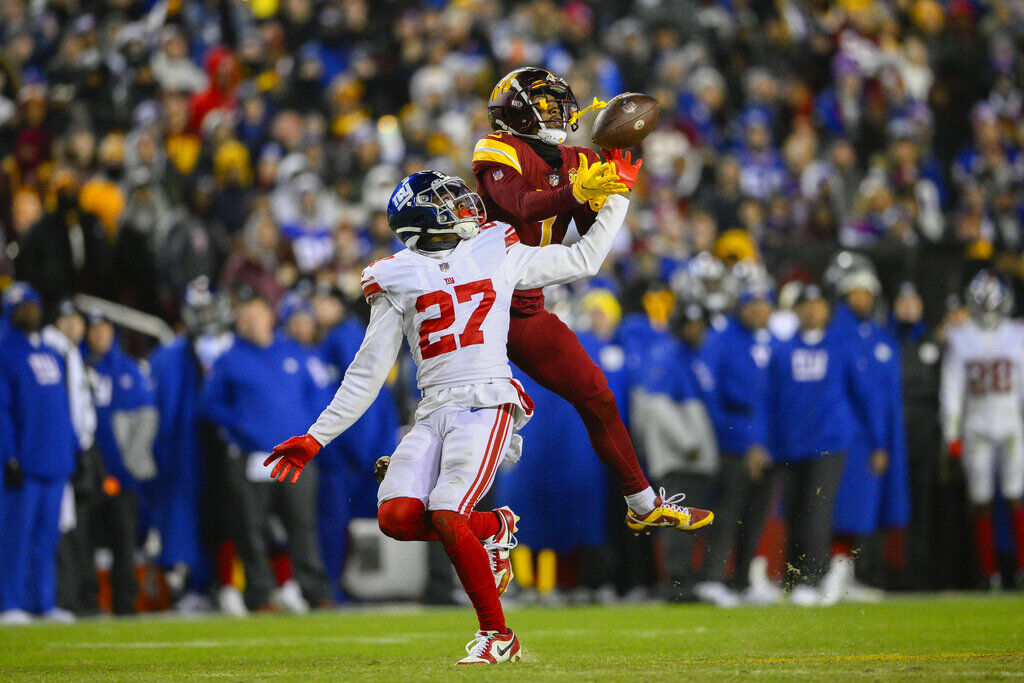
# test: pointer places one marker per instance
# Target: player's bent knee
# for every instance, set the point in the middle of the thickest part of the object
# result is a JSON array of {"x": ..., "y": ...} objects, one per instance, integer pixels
[
  {"x": 401, "y": 518},
  {"x": 449, "y": 526},
  {"x": 600, "y": 404}
]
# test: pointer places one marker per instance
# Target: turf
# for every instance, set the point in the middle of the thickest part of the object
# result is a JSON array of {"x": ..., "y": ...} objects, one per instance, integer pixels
[{"x": 937, "y": 637}]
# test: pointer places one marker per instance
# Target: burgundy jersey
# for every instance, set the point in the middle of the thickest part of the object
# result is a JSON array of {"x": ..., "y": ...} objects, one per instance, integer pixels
[{"x": 519, "y": 188}]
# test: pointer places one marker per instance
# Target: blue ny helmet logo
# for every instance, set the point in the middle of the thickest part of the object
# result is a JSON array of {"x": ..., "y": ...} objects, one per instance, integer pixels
[{"x": 401, "y": 196}]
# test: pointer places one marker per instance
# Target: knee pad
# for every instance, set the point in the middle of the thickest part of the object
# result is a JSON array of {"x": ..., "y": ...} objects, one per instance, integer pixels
[{"x": 401, "y": 518}]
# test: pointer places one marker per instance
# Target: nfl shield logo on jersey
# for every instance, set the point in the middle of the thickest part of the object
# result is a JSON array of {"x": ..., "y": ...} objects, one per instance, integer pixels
[
  {"x": 554, "y": 179},
  {"x": 444, "y": 267}
]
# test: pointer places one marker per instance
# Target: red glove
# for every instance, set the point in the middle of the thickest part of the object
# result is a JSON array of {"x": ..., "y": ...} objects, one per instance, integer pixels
[
  {"x": 624, "y": 167},
  {"x": 956, "y": 449},
  {"x": 294, "y": 454}
]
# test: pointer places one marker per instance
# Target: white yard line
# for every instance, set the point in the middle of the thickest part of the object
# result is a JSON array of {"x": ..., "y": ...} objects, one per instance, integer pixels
[{"x": 369, "y": 640}]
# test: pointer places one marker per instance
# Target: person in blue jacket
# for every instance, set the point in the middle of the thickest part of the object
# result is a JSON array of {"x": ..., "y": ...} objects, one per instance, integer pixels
[
  {"x": 38, "y": 445},
  {"x": 738, "y": 360},
  {"x": 874, "y": 489},
  {"x": 257, "y": 391},
  {"x": 347, "y": 487},
  {"x": 126, "y": 423},
  {"x": 670, "y": 423},
  {"x": 182, "y": 450},
  {"x": 811, "y": 378}
]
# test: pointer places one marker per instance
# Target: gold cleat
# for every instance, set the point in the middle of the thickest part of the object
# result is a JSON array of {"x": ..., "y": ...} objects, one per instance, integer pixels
[{"x": 668, "y": 512}]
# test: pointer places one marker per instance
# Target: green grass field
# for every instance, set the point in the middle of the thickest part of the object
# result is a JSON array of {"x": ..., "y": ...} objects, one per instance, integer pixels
[{"x": 945, "y": 637}]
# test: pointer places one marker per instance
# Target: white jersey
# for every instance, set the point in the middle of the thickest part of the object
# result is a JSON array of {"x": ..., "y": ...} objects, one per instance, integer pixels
[
  {"x": 453, "y": 308},
  {"x": 982, "y": 390}
]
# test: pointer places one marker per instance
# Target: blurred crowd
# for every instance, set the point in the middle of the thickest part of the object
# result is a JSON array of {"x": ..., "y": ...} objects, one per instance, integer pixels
[{"x": 224, "y": 166}]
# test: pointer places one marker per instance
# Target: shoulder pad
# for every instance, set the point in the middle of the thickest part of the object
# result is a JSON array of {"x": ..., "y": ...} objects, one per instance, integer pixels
[
  {"x": 497, "y": 230},
  {"x": 497, "y": 148},
  {"x": 371, "y": 280}
]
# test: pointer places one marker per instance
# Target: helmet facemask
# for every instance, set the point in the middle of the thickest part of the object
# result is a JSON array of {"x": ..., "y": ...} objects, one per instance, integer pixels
[{"x": 545, "y": 99}]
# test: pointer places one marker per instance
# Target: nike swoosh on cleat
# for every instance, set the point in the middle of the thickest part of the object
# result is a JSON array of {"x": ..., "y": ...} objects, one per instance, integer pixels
[
  {"x": 501, "y": 653},
  {"x": 473, "y": 410}
]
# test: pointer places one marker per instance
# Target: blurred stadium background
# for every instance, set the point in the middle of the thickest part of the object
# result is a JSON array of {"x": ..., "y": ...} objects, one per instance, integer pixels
[{"x": 163, "y": 161}]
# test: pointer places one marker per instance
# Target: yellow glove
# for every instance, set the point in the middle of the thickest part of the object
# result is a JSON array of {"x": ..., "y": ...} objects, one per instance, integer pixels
[
  {"x": 596, "y": 204},
  {"x": 595, "y": 181}
]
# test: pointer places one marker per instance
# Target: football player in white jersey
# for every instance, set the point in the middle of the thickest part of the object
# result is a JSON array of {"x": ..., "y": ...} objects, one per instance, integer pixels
[
  {"x": 981, "y": 398},
  {"x": 449, "y": 293}
]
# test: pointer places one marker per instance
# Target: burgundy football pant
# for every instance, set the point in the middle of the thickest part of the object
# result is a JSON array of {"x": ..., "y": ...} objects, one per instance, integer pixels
[{"x": 546, "y": 349}]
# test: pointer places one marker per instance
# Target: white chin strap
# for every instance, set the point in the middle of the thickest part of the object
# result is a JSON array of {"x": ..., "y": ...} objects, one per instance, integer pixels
[{"x": 551, "y": 136}]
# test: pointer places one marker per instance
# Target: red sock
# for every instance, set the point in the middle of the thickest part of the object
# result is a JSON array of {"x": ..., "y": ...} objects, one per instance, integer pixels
[
  {"x": 985, "y": 544},
  {"x": 225, "y": 562},
  {"x": 406, "y": 519},
  {"x": 281, "y": 563},
  {"x": 471, "y": 564},
  {"x": 842, "y": 545},
  {"x": 896, "y": 549},
  {"x": 1018, "y": 534}
]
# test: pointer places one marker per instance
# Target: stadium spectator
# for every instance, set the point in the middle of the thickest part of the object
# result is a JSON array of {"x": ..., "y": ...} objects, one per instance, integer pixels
[
  {"x": 920, "y": 353},
  {"x": 810, "y": 424},
  {"x": 189, "y": 509},
  {"x": 77, "y": 582},
  {"x": 258, "y": 388},
  {"x": 738, "y": 360},
  {"x": 39, "y": 446},
  {"x": 66, "y": 250},
  {"x": 873, "y": 492},
  {"x": 669, "y": 420},
  {"x": 126, "y": 424}
]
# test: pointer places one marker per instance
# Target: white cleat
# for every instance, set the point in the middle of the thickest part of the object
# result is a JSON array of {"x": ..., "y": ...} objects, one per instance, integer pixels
[
  {"x": 858, "y": 592},
  {"x": 231, "y": 602},
  {"x": 717, "y": 593},
  {"x": 761, "y": 590},
  {"x": 805, "y": 596},
  {"x": 15, "y": 617},
  {"x": 193, "y": 603},
  {"x": 835, "y": 581},
  {"x": 491, "y": 647},
  {"x": 59, "y": 616},
  {"x": 500, "y": 545},
  {"x": 840, "y": 584},
  {"x": 289, "y": 598}
]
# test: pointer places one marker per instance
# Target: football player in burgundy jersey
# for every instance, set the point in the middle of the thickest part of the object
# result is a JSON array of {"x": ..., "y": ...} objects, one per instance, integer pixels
[{"x": 530, "y": 180}]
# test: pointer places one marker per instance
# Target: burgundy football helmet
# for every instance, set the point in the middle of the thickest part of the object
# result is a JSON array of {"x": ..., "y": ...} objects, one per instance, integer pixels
[{"x": 512, "y": 108}]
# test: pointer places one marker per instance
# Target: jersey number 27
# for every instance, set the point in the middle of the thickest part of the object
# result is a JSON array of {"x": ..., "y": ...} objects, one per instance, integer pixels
[{"x": 446, "y": 318}]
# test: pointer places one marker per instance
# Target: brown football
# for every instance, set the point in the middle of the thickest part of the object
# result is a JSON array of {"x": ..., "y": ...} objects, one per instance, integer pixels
[{"x": 625, "y": 121}]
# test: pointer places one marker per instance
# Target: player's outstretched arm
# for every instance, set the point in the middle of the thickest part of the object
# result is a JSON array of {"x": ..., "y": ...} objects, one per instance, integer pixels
[
  {"x": 366, "y": 375},
  {"x": 556, "y": 263},
  {"x": 362, "y": 382}
]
